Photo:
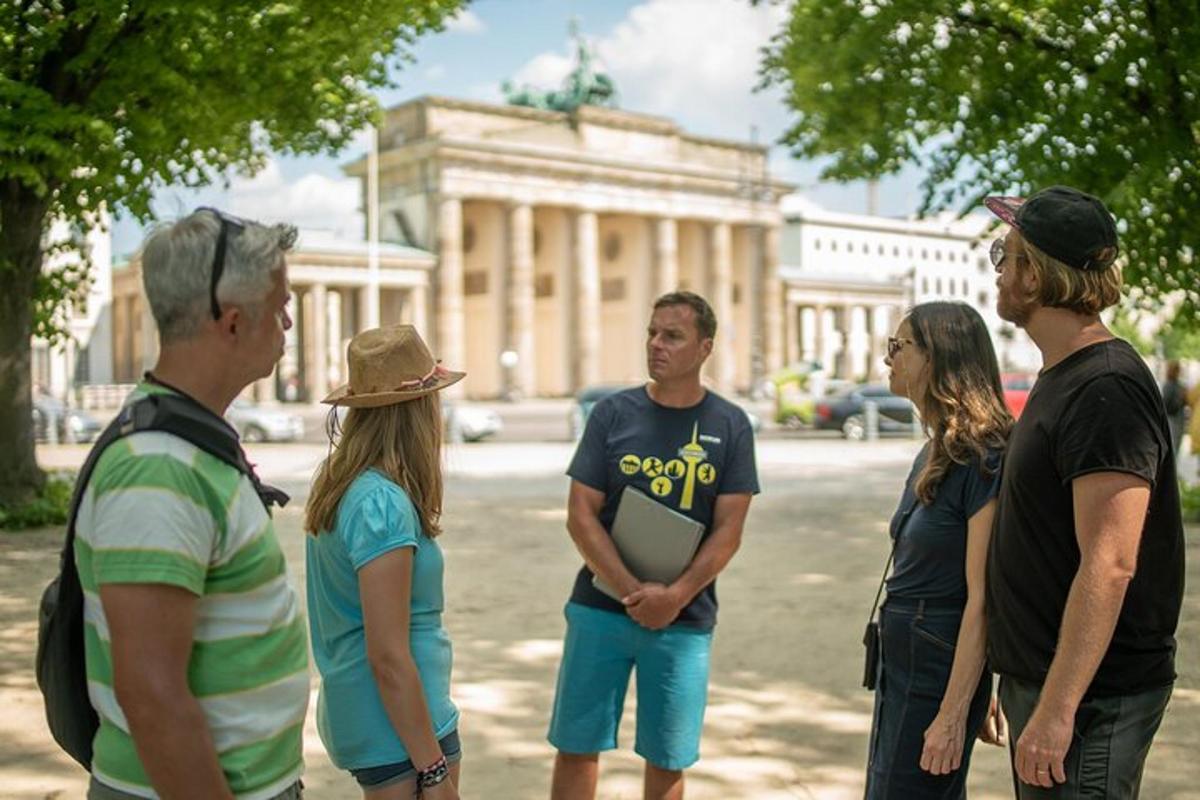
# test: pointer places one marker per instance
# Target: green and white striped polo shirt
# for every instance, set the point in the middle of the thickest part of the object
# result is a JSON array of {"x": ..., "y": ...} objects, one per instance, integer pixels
[{"x": 159, "y": 510}]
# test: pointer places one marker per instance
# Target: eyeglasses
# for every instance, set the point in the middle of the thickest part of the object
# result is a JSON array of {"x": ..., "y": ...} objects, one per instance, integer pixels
[
  {"x": 894, "y": 345},
  {"x": 998, "y": 253},
  {"x": 228, "y": 221}
]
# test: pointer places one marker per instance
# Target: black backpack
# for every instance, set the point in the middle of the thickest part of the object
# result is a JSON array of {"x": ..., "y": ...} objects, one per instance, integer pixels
[{"x": 61, "y": 672}]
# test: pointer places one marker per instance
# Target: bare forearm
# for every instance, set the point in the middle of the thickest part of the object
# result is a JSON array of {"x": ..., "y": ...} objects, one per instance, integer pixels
[
  {"x": 175, "y": 747},
  {"x": 968, "y": 660},
  {"x": 600, "y": 554},
  {"x": 403, "y": 697},
  {"x": 710, "y": 559},
  {"x": 1089, "y": 619}
]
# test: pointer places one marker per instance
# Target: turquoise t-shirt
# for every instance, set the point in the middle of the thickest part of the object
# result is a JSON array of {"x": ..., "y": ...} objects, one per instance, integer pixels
[{"x": 374, "y": 517}]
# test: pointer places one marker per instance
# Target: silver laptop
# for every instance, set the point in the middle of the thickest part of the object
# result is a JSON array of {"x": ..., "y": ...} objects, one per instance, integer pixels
[{"x": 656, "y": 542}]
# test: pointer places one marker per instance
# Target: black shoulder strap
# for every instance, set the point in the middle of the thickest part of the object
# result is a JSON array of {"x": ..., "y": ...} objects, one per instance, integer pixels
[
  {"x": 180, "y": 416},
  {"x": 895, "y": 540}
]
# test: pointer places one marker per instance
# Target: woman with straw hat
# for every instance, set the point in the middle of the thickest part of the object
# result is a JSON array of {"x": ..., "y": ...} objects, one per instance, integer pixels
[{"x": 375, "y": 574}]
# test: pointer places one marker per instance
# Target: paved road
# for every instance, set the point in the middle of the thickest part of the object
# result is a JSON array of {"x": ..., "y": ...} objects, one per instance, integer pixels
[{"x": 786, "y": 717}]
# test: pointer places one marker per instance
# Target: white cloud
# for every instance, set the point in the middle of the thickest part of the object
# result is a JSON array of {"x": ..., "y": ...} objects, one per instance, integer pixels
[
  {"x": 695, "y": 62},
  {"x": 312, "y": 201},
  {"x": 466, "y": 21}
]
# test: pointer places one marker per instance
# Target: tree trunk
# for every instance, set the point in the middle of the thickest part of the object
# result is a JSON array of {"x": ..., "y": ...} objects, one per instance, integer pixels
[{"x": 22, "y": 219}]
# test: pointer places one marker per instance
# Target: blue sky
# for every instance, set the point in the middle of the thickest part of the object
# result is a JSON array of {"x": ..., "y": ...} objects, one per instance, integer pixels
[{"x": 694, "y": 61}]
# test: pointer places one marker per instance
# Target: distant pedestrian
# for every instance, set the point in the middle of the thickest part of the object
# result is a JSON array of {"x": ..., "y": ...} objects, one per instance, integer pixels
[{"x": 1175, "y": 400}]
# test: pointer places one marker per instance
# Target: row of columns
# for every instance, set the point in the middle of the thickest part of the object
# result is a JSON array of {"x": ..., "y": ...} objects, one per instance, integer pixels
[
  {"x": 582, "y": 294},
  {"x": 809, "y": 341}
]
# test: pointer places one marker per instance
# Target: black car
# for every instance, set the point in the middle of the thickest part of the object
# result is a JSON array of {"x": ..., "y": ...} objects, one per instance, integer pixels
[{"x": 846, "y": 411}]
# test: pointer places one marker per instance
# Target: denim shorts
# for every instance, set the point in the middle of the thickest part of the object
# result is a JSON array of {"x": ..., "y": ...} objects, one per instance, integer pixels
[
  {"x": 387, "y": 774},
  {"x": 601, "y": 649},
  {"x": 917, "y": 644}
]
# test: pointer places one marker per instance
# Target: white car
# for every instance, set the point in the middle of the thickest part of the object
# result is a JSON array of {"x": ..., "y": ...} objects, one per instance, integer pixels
[
  {"x": 466, "y": 423},
  {"x": 258, "y": 424}
]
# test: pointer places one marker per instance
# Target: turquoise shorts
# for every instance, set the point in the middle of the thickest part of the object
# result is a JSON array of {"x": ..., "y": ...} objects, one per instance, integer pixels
[{"x": 672, "y": 687}]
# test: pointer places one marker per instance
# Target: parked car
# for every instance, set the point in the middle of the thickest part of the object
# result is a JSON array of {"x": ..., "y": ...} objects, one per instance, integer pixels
[
  {"x": 1016, "y": 390},
  {"x": 468, "y": 423},
  {"x": 70, "y": 424},
  {"x": 846, "y": 411},
  {"x": 587, "y": 398},
  {"x": 256, "y": 423}
]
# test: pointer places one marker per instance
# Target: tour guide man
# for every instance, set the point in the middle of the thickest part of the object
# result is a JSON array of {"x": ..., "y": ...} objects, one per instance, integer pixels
[{"x": 693, "y": 451}]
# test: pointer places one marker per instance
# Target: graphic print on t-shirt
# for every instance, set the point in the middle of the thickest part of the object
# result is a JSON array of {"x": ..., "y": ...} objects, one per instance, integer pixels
[{"x": 691, "y": 465}]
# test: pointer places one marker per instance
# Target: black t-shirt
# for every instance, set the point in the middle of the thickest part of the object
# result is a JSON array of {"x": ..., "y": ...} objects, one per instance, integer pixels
[
  {"x": 682, "y": 457},
  {"x": 930, "y": 559},
  {"x": 1098, "y": 410}
]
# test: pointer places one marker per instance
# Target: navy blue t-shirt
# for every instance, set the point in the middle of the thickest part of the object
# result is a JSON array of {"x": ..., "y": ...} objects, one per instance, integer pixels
[
  {"x": 682, "y": 457},
  {"x": 931, "y": 553}
]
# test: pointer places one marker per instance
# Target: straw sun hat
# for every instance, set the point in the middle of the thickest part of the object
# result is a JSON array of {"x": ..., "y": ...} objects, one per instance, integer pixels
[{"x": 390, "y": 365}]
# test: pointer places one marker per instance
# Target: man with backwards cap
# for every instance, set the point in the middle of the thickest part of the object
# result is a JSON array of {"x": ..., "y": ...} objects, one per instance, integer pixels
[{"x": 1085, "y": 567}]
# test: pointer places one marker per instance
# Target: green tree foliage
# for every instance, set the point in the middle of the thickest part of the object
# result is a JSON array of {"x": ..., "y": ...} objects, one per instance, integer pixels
[
  {"x": 103, "y": 101},
  {"x": 1007, "y": 96}
]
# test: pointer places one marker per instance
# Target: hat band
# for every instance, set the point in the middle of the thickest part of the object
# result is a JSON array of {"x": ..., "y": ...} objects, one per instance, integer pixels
[{"x": 426, "y": 381}]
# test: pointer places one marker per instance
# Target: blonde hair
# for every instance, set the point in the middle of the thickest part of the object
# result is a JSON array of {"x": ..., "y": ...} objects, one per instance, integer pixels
[
  {"x": 1062, "y": 286},
  {"x": 403, "y": 441},
  {"x": 962, "y": 407}
]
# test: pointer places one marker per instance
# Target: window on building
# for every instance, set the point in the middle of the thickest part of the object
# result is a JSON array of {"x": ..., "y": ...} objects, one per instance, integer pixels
[
  {"x": 816, "y": 244},
  {"x": 983, "y": 264},
  {"x": 924, "y": 285},
  {"x": 475, "y": 282},
  {"x": 896, "y": 251},
  {"x": 833, "y": 246},
  {"x": 938, "y": 286},
  {"x": 937, "y": 255},
  {"x": 612, "y": 289},
  {"x": 983, "y": 298},
  {"x": 966, "y": 287},
  {"x": 924, "y": 255},
  {"x": 543, "y": 285}
]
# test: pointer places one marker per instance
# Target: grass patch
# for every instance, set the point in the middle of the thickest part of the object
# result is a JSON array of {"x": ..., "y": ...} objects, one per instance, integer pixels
[
  {"x": 1189, "y": 499},
  {"x": 50, "y": 507}
]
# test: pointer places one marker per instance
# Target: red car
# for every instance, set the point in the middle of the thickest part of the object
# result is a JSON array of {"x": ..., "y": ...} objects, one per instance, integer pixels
[{"x": 1016, "y": 391}]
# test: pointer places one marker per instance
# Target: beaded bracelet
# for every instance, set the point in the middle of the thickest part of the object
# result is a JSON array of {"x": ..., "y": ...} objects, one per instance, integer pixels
[{"x": 434, "y": 774}]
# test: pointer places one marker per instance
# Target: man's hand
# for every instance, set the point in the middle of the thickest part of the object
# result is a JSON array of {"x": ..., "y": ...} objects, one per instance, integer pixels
[
  {"x": 994, "y": 729},
  {"x": 653, "y": 606},
  {"x": 942, "y": 753},
  {"x": 1042, "y": 749}
]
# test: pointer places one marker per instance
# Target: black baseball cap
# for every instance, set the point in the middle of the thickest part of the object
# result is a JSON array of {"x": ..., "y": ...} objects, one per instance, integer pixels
[{"x": 1064, "y": 223}]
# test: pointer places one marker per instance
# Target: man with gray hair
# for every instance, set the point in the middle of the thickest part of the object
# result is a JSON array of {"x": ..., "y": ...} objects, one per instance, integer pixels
[{"x": 195, "y": 647}]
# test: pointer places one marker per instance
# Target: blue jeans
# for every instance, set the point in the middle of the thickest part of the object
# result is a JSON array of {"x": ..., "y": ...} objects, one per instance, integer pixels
[{"x": 917, "y": 643}]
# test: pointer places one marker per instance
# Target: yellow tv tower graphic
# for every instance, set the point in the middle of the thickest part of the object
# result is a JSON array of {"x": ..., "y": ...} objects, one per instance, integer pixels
[{"x": 692, "y": 453}]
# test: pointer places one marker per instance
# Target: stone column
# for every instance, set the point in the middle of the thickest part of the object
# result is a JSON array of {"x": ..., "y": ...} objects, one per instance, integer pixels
[
  {"x": 587, "y": 299},
  {"x": 774, "y": 305},
  {"x": 315, "y": 334},
  {"x": 873, "y": 363},
  {"x": 720, "y": 260},
  {"x": 793, "y": 348},
  {"x": 520, "y": 380},
  {"x": 666, "y": 255},
  {"x": 450, "y": 345},
  {"x": 819, "y": 354},
  {"x": 418, "y": 304},
  {"x": 846, "y": 317},
  {"x": 753, "y": 295}
]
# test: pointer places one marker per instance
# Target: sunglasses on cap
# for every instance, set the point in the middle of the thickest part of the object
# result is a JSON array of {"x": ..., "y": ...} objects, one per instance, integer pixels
[{"x": 228, "y": 223}]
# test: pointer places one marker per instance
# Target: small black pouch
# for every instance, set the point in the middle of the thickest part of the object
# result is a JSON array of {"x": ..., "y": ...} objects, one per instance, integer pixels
[{"x": 871, "y": 655}]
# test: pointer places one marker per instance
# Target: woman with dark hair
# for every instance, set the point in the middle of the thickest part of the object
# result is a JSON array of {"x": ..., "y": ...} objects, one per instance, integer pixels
[
  {"x": 375, "y": 575},
  {"x": 932, "y": 691}
]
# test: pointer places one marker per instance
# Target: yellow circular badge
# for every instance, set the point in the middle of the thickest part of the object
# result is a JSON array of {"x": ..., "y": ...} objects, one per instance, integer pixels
[
  {"x": 652, "y": 466},
  {"x": 630, "y": 464},
  {"x": 676, "y": 468},
  {"x": 661, "y": 486},
  {"x": 706, "y": 472}
]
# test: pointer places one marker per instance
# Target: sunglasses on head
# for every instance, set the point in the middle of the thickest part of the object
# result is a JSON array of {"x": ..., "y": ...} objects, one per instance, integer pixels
[{"x": 228, "y": 223}]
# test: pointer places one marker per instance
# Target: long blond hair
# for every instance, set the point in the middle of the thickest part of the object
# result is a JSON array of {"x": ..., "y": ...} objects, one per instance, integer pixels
[
  {"x": 403, "y": 441},
  {"x": 962, "y": 407}
]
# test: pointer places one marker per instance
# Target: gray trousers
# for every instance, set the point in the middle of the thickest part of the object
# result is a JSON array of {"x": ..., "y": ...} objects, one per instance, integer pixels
[{"x": 1108, "y": 750}]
